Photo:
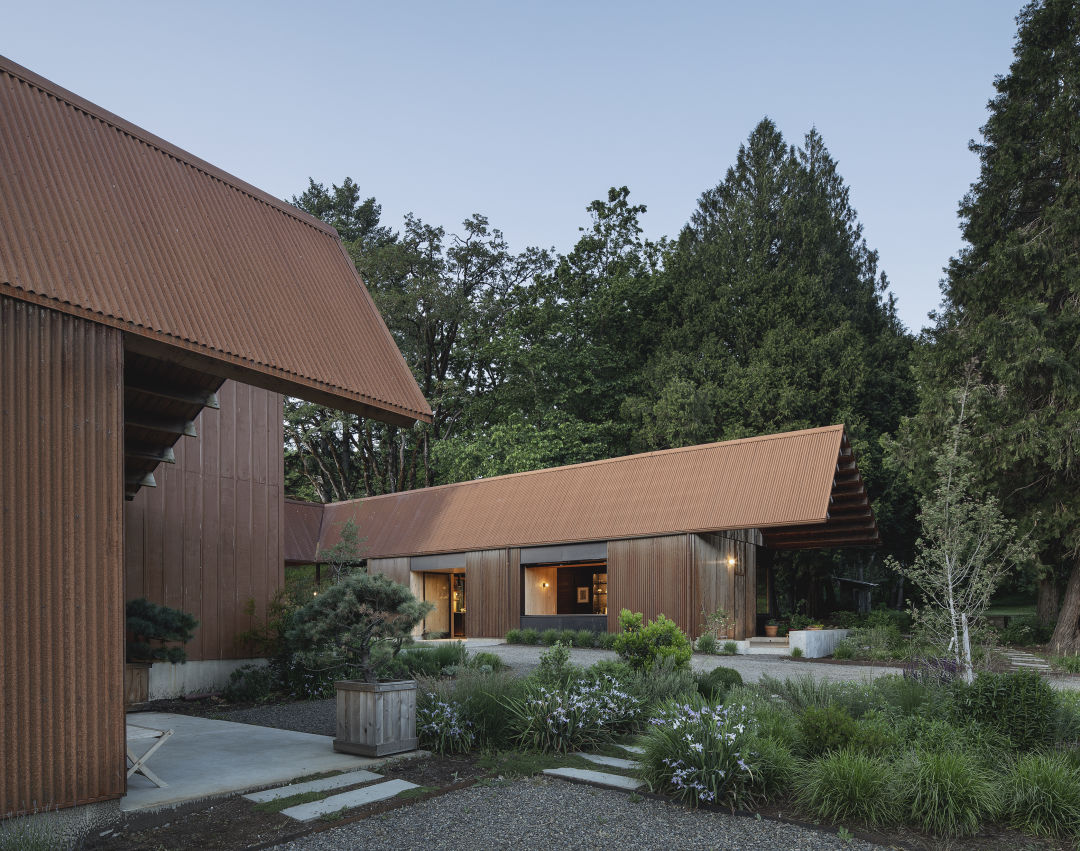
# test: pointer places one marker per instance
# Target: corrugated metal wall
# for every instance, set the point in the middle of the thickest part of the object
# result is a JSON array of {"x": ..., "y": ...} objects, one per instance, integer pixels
[
  {"x": 492, "y": 592},
  {"x": 61, "y": 578},
  {"x": 209, "y": 538}
]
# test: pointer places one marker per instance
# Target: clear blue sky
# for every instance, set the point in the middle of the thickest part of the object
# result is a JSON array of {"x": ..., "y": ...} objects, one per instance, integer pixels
[{"x": 527, "y": 111}]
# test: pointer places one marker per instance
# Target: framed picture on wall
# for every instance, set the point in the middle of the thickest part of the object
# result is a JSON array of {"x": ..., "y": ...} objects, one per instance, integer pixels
[{"x": 583, "y": 594}]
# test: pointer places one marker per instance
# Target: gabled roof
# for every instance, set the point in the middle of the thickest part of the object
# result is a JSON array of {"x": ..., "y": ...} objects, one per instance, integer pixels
[
  {"x": 801, "y": 488},
  {"x": 103, "y": 220}
]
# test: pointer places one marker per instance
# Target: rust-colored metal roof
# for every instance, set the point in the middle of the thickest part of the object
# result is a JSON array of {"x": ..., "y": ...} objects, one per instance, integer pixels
[
  {"x": 303, "y": 521},
  {"x": 785, "y": 481},
  {"x": 104, "y": 221}
]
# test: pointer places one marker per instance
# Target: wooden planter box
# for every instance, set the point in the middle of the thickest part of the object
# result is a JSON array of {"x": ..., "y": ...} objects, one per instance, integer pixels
[
  {"x": 376, "y": 719},
  {"x": 136, "y": 683}
]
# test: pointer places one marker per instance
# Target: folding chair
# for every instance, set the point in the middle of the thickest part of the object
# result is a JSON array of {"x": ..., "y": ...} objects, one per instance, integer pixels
[{"x": 138, "y": 763}]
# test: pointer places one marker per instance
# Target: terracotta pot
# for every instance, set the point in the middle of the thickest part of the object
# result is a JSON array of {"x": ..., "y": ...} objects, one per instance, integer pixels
[
  {"x": 375, "y": 719},
  {"x": 770, "y": 631}
]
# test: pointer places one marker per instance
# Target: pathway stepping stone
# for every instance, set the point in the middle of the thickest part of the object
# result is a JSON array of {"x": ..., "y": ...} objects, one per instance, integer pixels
[
  {"x": 348, "y": 800},
  {"x": 596, "y": 778},
  {"x": 610, "y": 761},
  {"x": 324, "y": 784},
  {"x": 633, "y": 748},
  {"x": 1020, "y": 659}
]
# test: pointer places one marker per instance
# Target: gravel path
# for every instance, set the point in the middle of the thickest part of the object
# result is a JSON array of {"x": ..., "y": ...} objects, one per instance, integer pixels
[
  {"x": 306, "y": 716},
  {"x": 544, "y": 813}
]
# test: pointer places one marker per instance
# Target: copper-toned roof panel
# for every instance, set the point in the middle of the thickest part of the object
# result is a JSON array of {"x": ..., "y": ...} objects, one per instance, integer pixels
[
  {"x": 775, "y": 480},
  {"x": 100, "y": 219},
  {"x": 302, "y": 523}
]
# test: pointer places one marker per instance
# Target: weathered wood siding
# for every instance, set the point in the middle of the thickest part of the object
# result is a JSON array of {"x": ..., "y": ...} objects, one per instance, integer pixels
[
  {"x": 394, "y": 568},
  {"x": 720, "y": 585},
  {"x": 652, "y": 576},
  {"x": 61, "y": 560},
  {"x": 492, "y": 592}
]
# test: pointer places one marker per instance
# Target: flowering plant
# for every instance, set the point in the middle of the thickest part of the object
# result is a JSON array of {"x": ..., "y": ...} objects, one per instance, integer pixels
[
  {"x": 584, "y": 713},
  {"x": 699, "y": 753},
  {"x": 441, "y": 727}
]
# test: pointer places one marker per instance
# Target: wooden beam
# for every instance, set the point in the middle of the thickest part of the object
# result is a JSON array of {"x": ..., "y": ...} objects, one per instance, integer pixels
[
  {"x": 831, "y": 529},
  {"x": 140, "y": 480},
  {"x": 163, "y": 424},
  {"x": 162, "y": 456},
  {"x": 202, "y": 398}
]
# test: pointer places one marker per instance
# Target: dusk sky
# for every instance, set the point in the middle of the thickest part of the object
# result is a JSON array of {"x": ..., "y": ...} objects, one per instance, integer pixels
[{"x": 525, "y": 112}]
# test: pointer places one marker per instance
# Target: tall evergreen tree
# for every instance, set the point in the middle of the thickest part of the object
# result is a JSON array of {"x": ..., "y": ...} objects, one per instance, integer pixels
[
  {"x": 779, "y": 319},
  {"x": 1012, "y": 303}
]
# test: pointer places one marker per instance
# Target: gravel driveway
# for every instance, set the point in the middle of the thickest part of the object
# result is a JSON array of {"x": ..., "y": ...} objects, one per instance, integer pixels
[{"x": 548, "y": 814}]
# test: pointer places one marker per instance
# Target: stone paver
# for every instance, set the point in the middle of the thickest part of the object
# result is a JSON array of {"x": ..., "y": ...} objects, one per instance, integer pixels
[
  {"x": 324, "y": 784},
  {"x": 597, "y": 778},
  {"x": 348, "y": 800},
  {"x": 609, "y": 761}
]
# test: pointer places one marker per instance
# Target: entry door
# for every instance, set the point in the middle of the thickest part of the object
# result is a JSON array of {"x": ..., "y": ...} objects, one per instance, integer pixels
[{"x": 437, "y": 591}]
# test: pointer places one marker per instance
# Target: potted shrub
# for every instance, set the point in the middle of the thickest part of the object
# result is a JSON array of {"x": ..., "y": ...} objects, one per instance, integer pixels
[
  {"x": 771, "y": 628},
  {"x": 339, "y": 630},
  {"x": 154, "y": 634}
]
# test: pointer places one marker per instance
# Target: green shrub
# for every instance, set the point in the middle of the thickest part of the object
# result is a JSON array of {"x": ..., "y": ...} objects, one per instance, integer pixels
[
  {"x": 432, "y": 661},
  {"x": 947, "y": 793},
  {"x": 584, "y": 638},
  {"x": 250, "y": 684},
  {"x": 730, "y": 648},
  {"x": 580, "y": 715},
  {"x": 607, "y": 640},
  {"x": 662, "y": 682},
  {"x": 845, "y": 786},
  {"x": 1068, "y": 717},
  {"x": 773, "y": 717},
  {"x": 152, "y": 627},
  {"x": 803, "y": 691},
  {"x": 1042, "y": 795},
  {"x": 550, "y": 637},
  {"x": 707, "y": 643},
  {"x": 1069, "y": 664},
  {"x": 885, "y": 617},
  {"x": 696, "y": 752},
  {"x": 880, "y": 642},
  {"x": 555, "y": 670},
  {"x": 514, "y": 636},
  {"x": 910, "y": 696},
  {"x": 874, "y": 734},
  {"x": 530, "y": 636},
  {"x": 1025, "y": 630},
  {"x": 825, "y": 729},
  {"x": 481, "y": 696},
  {"x": 715, "y": 684},
  {"x": 490, "y": 660},
  {"x": 642, "y": 645},
  {"x": 796, "y": 653},
  {"x": 844, "y": 649},
  {"x": 773, "y": 766},
  {"x": 1020, "y": 706},
  {"x": 569, "y": 637},
  {"x": 613, "y": 668}
]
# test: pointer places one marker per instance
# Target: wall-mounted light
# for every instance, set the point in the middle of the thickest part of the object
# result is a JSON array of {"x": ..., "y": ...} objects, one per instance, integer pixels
[
  {"x": 731, "y": 561},
  {"x": 543, "y": 585},
  {"x": 314, "y": 593}
]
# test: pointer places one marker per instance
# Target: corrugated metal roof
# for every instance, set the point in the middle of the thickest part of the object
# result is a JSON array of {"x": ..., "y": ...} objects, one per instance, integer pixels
[
  {"x": 302, "y": 523},
  {"x": 778, "y": 480},
  {"x": 102, "y": 220}
]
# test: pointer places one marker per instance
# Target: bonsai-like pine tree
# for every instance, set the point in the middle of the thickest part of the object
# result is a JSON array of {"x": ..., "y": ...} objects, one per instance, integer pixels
[
  {"x": 152, "y": 626},
  {"x": 341, "y": 627}
]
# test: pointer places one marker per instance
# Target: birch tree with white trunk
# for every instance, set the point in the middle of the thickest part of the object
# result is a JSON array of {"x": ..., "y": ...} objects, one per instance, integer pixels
[{"x": 965, "y": 548}]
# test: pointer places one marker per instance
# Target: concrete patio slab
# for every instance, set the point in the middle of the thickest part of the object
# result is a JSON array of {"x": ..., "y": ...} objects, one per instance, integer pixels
[
  {"x": 323, "y": 784},
  {"x": 205, "y": 758},
  {"x": 348, "y": 800}
]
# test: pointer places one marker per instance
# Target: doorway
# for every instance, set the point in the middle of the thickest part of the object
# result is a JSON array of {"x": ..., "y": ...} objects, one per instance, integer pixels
[{"x": 446, "y": 591}]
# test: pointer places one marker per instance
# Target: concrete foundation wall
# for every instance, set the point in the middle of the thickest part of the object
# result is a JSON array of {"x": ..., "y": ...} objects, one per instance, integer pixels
[{"x": 168, "y": 680}]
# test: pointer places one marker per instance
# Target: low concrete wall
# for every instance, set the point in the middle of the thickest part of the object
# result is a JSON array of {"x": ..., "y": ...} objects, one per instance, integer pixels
[
  {"x": 169, "y": 680},
  {"x": 815, "y": 643}
]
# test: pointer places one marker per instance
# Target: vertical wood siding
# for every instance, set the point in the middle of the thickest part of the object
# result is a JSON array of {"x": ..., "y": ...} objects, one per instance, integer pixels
[
  {"x": 61, "y": 574},
  {"x": 719, "y": 585},
  {"x": 492, "y": 592},
  {"x": 210, "y": 537},
  {"x": 652, "y": 576},
  {"x": 394, "y": 568}
]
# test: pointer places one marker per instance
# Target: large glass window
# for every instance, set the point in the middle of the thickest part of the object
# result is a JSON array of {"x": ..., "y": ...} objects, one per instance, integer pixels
[{"x": 566, "y": 589}]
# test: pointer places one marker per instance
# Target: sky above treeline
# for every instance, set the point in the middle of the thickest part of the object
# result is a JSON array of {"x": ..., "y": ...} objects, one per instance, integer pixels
[{"x": 526, "y": 112}]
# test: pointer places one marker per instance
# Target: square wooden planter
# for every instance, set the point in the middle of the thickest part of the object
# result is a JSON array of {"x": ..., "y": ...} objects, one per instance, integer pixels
[{"x": 376, "y": 719}]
